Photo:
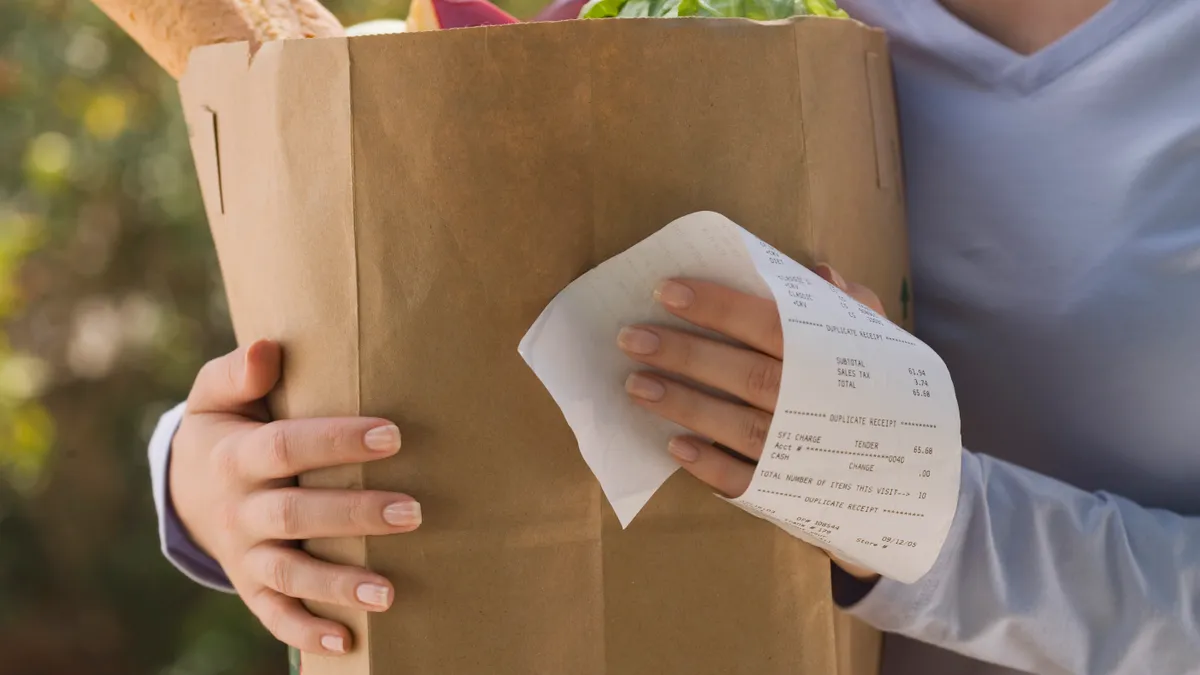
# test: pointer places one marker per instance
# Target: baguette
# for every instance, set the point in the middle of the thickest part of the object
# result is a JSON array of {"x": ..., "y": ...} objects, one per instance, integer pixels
[
  {"x": 316, "y": 21},
  {"x": 168, "y": 30}
]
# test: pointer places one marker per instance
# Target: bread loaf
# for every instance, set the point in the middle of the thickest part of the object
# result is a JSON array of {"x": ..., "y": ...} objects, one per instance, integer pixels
[
  {"x": 316, "y": 21},
  {"x": 168, "y": 30}
]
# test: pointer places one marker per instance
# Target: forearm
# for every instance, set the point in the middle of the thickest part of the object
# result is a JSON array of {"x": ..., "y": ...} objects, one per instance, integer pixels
[{"x": 1043, "y": 577}]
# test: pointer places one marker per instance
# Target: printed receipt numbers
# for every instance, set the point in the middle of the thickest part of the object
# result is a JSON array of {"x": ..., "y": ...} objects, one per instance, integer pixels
[{"x": 863, "y": 454}]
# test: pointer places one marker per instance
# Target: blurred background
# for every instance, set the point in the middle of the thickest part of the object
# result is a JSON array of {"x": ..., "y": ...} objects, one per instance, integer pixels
[{"x": 110, "y": 301}]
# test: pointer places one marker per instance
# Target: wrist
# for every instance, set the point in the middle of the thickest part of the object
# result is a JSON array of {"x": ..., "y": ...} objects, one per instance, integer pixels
[{"x": 174, "y": 498}]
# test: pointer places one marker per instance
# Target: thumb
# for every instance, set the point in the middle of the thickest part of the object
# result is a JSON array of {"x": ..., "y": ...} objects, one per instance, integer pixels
[
  {"x": 235, "y": 382},
  {"x": 867, "y": 297},
  {"x": 857, "y": 291},
  {"x": 826, "y": 272}
]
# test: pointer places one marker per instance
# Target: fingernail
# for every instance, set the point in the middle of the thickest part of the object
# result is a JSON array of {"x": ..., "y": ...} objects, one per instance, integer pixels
[
  {"x": 373, "y": 594},
  {"x": 383, "y": 439},
  {"x": 333, "y": 643},
  {"x": 674, "y": 295},
  {"x": 637, "y": 341},
  {"x": 683, "y": 450},
  {"x": 646, "y": 388},
  {"x": 826, "y": 272},
  {"x": 403, "y": 514}
]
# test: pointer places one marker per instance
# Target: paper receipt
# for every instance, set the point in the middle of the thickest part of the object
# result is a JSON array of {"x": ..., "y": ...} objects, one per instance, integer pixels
[{"x": 863, "y": 454}]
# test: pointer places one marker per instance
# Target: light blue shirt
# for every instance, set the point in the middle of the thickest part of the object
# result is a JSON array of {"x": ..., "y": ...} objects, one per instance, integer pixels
[
  {"x": 1054, "y": 206},
  {"x": 1055, "y": 217}
]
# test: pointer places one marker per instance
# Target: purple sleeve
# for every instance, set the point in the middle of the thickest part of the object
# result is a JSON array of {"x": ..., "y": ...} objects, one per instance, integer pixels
[
  {"x": 177, "y": 546},
  {"x": 848, "y": 589}
]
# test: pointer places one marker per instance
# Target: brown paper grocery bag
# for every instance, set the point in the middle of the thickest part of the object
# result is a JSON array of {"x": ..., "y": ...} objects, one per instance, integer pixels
[{"x": 396, "y": 210}]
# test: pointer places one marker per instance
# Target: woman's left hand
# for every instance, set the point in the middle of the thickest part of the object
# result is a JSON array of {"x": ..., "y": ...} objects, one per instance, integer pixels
[{"x": 751, "y": 373}]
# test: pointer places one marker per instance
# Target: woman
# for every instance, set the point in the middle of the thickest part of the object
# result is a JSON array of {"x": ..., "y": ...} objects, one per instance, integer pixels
[{"x": 1053, "y": 166}]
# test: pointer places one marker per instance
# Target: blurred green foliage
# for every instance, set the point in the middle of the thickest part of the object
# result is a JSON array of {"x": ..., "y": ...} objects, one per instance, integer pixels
[{"x": 110, "y": 300}]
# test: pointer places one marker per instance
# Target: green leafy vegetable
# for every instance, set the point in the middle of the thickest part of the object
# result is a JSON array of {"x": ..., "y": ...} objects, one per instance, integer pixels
[
  {"x": 824, "y": 8},
  {"x": 601, "y": 9}
]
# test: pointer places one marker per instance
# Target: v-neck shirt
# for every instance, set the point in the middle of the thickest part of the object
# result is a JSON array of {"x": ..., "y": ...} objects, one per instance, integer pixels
[{"x": 1054, "y": 216}]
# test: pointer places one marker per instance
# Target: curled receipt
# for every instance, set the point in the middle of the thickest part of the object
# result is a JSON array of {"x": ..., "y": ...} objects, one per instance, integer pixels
[{"x": 862, "y": 458}]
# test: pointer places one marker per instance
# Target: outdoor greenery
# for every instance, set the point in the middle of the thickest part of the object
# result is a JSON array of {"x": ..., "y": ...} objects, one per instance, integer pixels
[{"x": 110, "y": 301}]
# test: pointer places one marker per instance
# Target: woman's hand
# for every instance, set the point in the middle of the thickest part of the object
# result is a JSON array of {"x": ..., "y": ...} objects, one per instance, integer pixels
[
  {"x": 232, "y": 482},
  {"x": 752, "y": 374}
]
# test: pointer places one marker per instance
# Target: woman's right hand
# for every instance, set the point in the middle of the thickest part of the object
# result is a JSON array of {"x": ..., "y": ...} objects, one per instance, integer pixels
[{"x": 232, "y": 483}]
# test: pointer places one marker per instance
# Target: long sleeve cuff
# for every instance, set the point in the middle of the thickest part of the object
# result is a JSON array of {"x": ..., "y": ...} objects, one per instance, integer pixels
[
  {"x": 1041, "y": 577},
  {"x": 890, "y": 605},
  {"x": 177, "y": 546}
]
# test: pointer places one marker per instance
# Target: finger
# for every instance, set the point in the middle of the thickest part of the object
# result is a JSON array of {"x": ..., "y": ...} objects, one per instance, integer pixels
[
  {"x": 301, "y": 513},
  {"x": 748, "y": 375},
  {"x": 748, "y": 319},
  {"x": 828, "y": 273},
  {"x": 287, "y": 448},
  {"x": 722, "y": 472},
  {"x": 737, "y": 427},
  {"x": 296, "y": 574},
  {"x": 857, "y": 291},
  {"x": 236, "y": 382},
  {"x": 292, "y": 624}
]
